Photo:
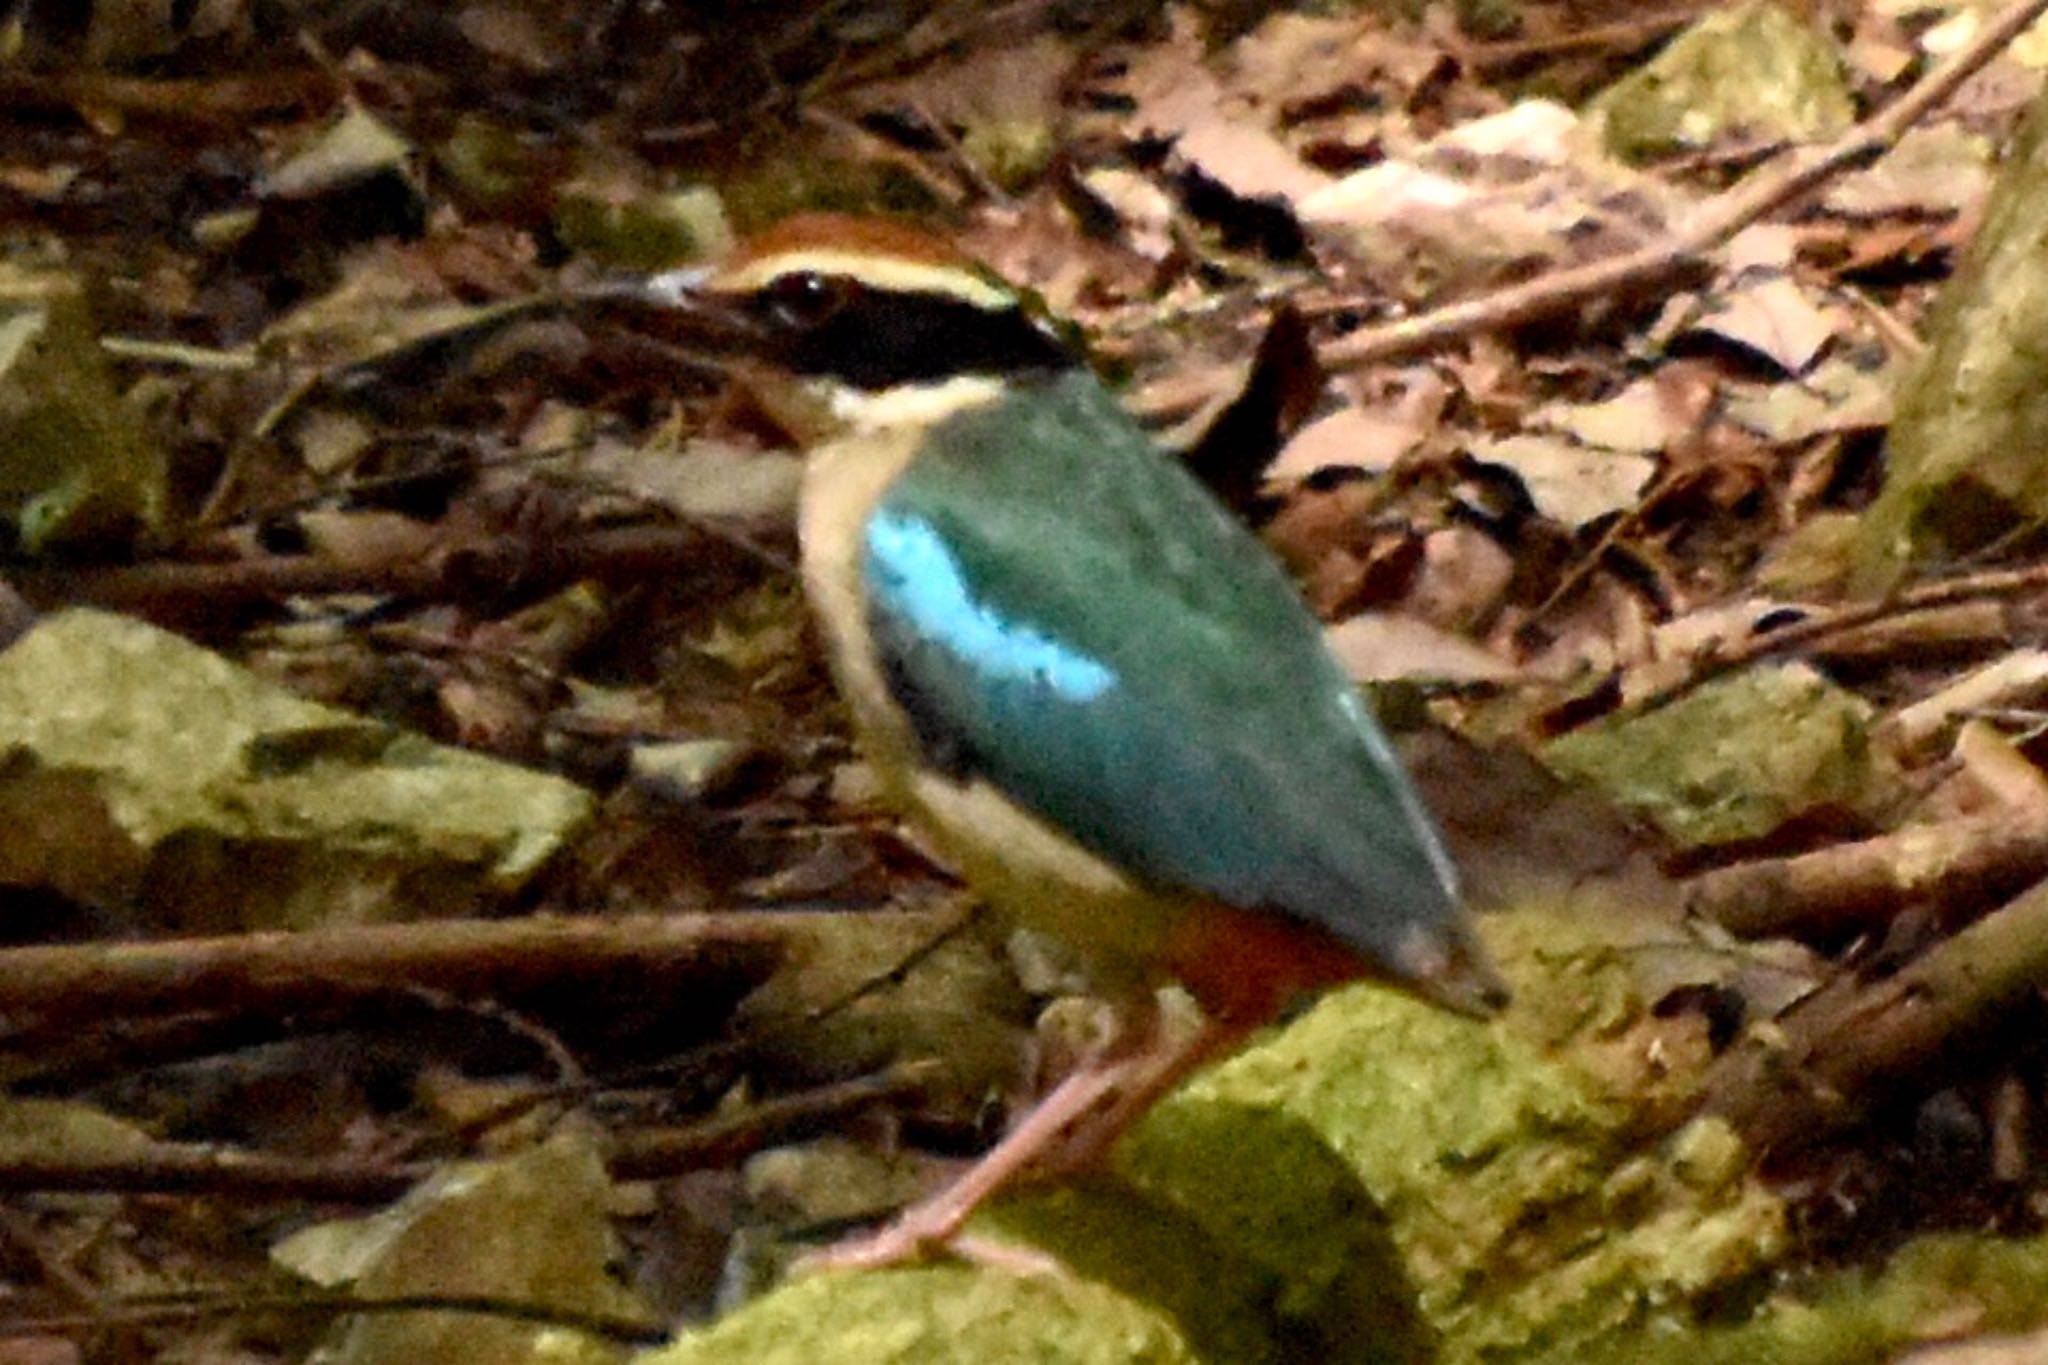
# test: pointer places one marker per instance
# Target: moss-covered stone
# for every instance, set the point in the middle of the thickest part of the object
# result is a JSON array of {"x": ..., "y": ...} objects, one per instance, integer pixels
[
  {"x": 936, "y": 1315},
  {"x": 1753, "y": 69},
  {"x": 1734, "y": 760},
  {"x": 1962, "y": 458},
  {"x": 140, "y": 771}
]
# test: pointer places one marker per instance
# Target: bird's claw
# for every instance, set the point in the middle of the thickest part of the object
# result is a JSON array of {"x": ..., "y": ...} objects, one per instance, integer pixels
[
  {"x": 894, "y": 1245},
  {"x": 904, "y": 1242}
]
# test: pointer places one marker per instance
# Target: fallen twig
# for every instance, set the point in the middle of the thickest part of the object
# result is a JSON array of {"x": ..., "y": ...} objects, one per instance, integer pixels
[
  {"x": 190, "y": 1167},
  {"x": 1823, "y": 1065},
  {"x": 279, "y": 971},
  {"x": 172, "y": 588},
  {"x": 1955, "y": 864}
]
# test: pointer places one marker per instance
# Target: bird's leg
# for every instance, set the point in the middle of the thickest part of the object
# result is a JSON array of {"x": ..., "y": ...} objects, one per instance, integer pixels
[
  {"x": 1161, "y": 1062},
  {"x": 933, "y": 1221},
  {"x": 1070, "y": 1130}
]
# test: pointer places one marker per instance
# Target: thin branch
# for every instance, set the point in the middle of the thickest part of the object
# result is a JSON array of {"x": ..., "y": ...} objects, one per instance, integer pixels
[
  {"x": 204, "y": 1305},
  {"x": 1993, "y": 584},
  {"x": 170, "y": 588},
  {"x": 654, "y": 1154},
  {"x": 480, "y": 958},
  {"x": 1718, "y": 220}
]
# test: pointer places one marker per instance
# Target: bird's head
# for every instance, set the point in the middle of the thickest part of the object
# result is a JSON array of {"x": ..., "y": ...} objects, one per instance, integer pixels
[{"x": 856, "y": 313}]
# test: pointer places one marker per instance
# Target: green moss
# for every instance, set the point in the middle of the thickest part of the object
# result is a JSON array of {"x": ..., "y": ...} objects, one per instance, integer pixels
[
  {"x": 1752, "y": 68},
  {"x": 1962, "y": 463},
  {"x": 1930, "y": 1289},
  {"x": 1734, "y": 760},
  {"x": 936, "y": 1315}
]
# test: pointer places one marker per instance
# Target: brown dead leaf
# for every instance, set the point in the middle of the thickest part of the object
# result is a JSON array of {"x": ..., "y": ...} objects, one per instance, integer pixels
[
  {"x": 1350, "y": 438},
  {"x": 514, "y": 33},
  {"x": 1777, "y": 318},
  {"x": 1464, "y": 578},
  {"x": 1863, "y": 249},
  {"x": 1079, "y": 276},
  {"x": 1315, "y": 524},
  {"x": 1179, "y": 99},
  {"x": 997, "y": 99}
]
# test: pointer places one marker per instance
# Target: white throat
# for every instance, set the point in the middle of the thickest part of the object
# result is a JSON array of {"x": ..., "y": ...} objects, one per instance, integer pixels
[{"x": 911, "y": 405}]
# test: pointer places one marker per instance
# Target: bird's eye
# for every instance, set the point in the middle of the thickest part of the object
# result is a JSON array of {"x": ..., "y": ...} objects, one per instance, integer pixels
[{"x": 806, "y": 298}]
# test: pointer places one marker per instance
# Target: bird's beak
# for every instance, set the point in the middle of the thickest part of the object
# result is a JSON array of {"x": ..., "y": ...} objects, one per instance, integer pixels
[{"x": 680, "y": 307}]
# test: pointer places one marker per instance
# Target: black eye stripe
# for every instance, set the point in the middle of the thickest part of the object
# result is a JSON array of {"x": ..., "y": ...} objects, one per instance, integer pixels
[{"x": 876, "y": 338}]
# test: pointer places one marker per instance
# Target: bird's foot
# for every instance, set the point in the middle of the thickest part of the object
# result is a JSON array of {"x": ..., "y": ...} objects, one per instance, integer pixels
[
  {"x": 1068, "y": 1132},
  {"x": 919, "y": 1233},
  {"x": 935, "y": 1223},
  {"x": 912, "y": 1236}
]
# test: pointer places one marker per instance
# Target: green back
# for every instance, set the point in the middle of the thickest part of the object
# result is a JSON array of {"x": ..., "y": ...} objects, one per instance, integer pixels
[{"x": 1068, "y": 615}]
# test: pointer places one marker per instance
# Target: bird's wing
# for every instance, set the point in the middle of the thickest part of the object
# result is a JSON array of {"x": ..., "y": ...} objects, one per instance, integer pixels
[{"x": 1067, "y": 615}]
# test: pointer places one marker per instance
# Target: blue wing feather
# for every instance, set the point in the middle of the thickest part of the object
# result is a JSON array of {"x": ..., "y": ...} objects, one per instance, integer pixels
[{"x": 1111, "y": 650}]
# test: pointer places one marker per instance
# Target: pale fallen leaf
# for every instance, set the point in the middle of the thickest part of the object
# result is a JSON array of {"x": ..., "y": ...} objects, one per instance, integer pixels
[
  {"x": 2017, "y": 679},
  {"x": 365, "y": 536},
  {"x": 1569, "y": 483},
  {"x": 1170, "y": 84},
  {"x": 1702, "y": 631},
  {"x": 2029, "y": 1349},
  {"x": 1760, "y": 246},
  {"x": 1382, "y": 193},
  {"x": 704, "y": 479},
  {"x": 1378, "y": 647},
  {"x": 330, "y": 440},
  {"x": 1641, "y": 419},
  {"x": 1143, "y": 209},
  {"x": 1940, "y": 170},
  {"x": 1953, "y": 34},
  {"x": 1877, "y": 59},
  {"x": 1247, "y": 161},
  {"x": 354, "y": 147},
  {"x": 1295, "y": 61},
  {"x": 1837, "y": 396},
  {"x": 1180, "y": 403},
  {"x": 1774, "y": 317},
  {"x": 1532, "y": 130},
  {"x": 1349, "y": 438},
  {"x": 1464, "y": 575}
]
